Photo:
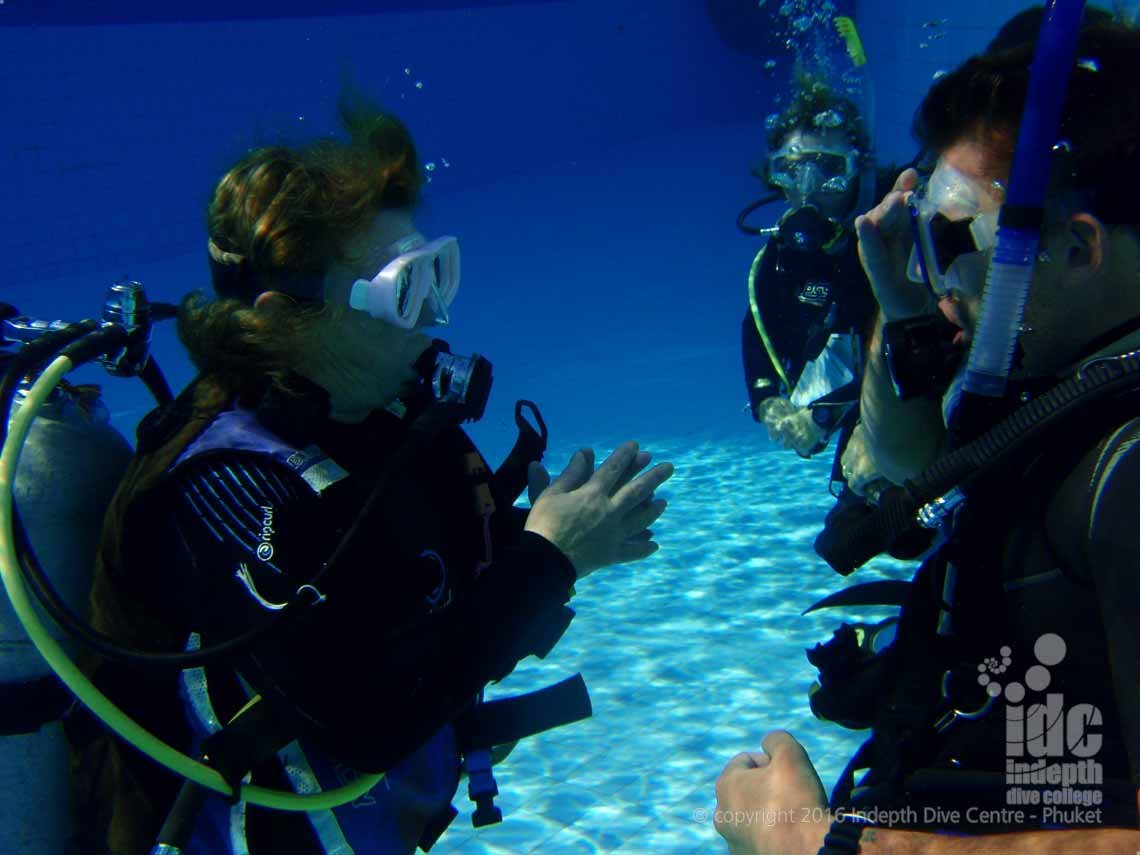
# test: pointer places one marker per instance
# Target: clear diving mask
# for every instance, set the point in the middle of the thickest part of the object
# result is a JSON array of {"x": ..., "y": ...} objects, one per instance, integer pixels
[
  {"x": 803, "y": 172},
  {"x": 950, "y": 218},
  {"x": 416, "y": 288}
]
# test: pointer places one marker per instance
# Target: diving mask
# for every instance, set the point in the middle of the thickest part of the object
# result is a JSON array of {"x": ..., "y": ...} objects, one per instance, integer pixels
[
  {"x": 802, "y": 172},
  {"x": 950, "y": 218},
  {"x": 414, "y": 289}
]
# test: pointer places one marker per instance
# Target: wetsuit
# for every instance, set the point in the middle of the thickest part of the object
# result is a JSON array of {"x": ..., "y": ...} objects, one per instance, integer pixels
[
  {"x": 803, "y": 299},
  {"x": 432, "y": 599}
]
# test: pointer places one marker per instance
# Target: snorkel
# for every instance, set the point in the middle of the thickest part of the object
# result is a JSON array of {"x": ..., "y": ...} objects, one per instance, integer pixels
[{"x": 1019, "y": 226}]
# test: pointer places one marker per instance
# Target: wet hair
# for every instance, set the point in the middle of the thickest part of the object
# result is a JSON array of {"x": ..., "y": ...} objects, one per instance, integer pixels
[
  {"x": 277, "y": 221},
  {"x": 814, "y": 98},
  {"x": 984, "y": 99},
  {"x": 1024, "y": 27}
]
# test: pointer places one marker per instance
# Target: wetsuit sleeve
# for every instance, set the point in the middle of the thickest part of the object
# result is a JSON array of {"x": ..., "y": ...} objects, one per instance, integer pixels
[
  {"x": 514, "y": 520},
  {"x": 369, "y": 673},
  {"x": 1113, "y": 551}
]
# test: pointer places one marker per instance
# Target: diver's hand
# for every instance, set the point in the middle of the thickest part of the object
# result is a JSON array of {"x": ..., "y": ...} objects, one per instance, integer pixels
[
  {"x": 791, "y": 426},
  {"x": 538, "y": 479},
  {"x": 771, "y": 802},
  {"x": 598, "y": 518},
  {"x": 885, "y": 243}
]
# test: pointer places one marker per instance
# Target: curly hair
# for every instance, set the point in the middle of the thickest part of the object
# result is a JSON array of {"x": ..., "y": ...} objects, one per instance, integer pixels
[
  {"x": 1100, "y": 120},
  {"x": 278, "y": 219}
]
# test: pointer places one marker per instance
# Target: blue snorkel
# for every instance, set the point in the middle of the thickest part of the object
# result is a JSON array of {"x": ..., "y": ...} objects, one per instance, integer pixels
[{"x": 1019, "y": 225}]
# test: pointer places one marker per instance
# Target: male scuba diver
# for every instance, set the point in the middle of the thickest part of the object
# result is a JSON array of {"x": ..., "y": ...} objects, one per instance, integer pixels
[
  {"x": 810, "y": 307},
  {"x": 1006, "y": 706}
]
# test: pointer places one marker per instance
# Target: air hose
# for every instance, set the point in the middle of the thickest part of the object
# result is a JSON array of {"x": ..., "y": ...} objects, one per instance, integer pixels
[
  {"x": 742, "y": 217},
  {"x": 757, "y": 319},
  {"x": 79, "y": 684}
]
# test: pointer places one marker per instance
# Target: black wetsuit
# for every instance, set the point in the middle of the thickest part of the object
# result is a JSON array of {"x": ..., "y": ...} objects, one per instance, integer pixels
[
  {"x": 803, "y": 298},
  {"x": 422, "y": 610}
]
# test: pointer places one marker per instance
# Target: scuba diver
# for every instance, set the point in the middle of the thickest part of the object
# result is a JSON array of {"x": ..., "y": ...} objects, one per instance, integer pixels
[
  {"x": 308, "y": 574},
  {"x": 810, "y": 307},
  {"x": 1003, "y": 702}
]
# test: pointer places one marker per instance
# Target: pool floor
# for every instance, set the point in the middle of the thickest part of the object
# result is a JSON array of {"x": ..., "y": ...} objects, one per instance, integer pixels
[{"x": 690, "y": 656}]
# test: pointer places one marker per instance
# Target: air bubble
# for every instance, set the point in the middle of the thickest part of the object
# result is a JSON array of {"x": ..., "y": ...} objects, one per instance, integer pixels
[{"x": 828, "y": 119}]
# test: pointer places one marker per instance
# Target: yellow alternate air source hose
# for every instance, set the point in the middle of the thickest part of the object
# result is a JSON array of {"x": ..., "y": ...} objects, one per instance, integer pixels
[
  {"x": 77, "y": 681},
  {"x": 759, "y": 321}
]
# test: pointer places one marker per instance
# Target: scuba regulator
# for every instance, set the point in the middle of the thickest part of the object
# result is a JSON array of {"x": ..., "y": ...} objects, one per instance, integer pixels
[
  {"x": 805, "y": 229},
  {"x": 464, "y": 382}
]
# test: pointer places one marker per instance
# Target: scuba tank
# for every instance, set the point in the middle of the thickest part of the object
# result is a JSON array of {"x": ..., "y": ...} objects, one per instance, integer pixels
[{"x": 69, "y": 468}]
